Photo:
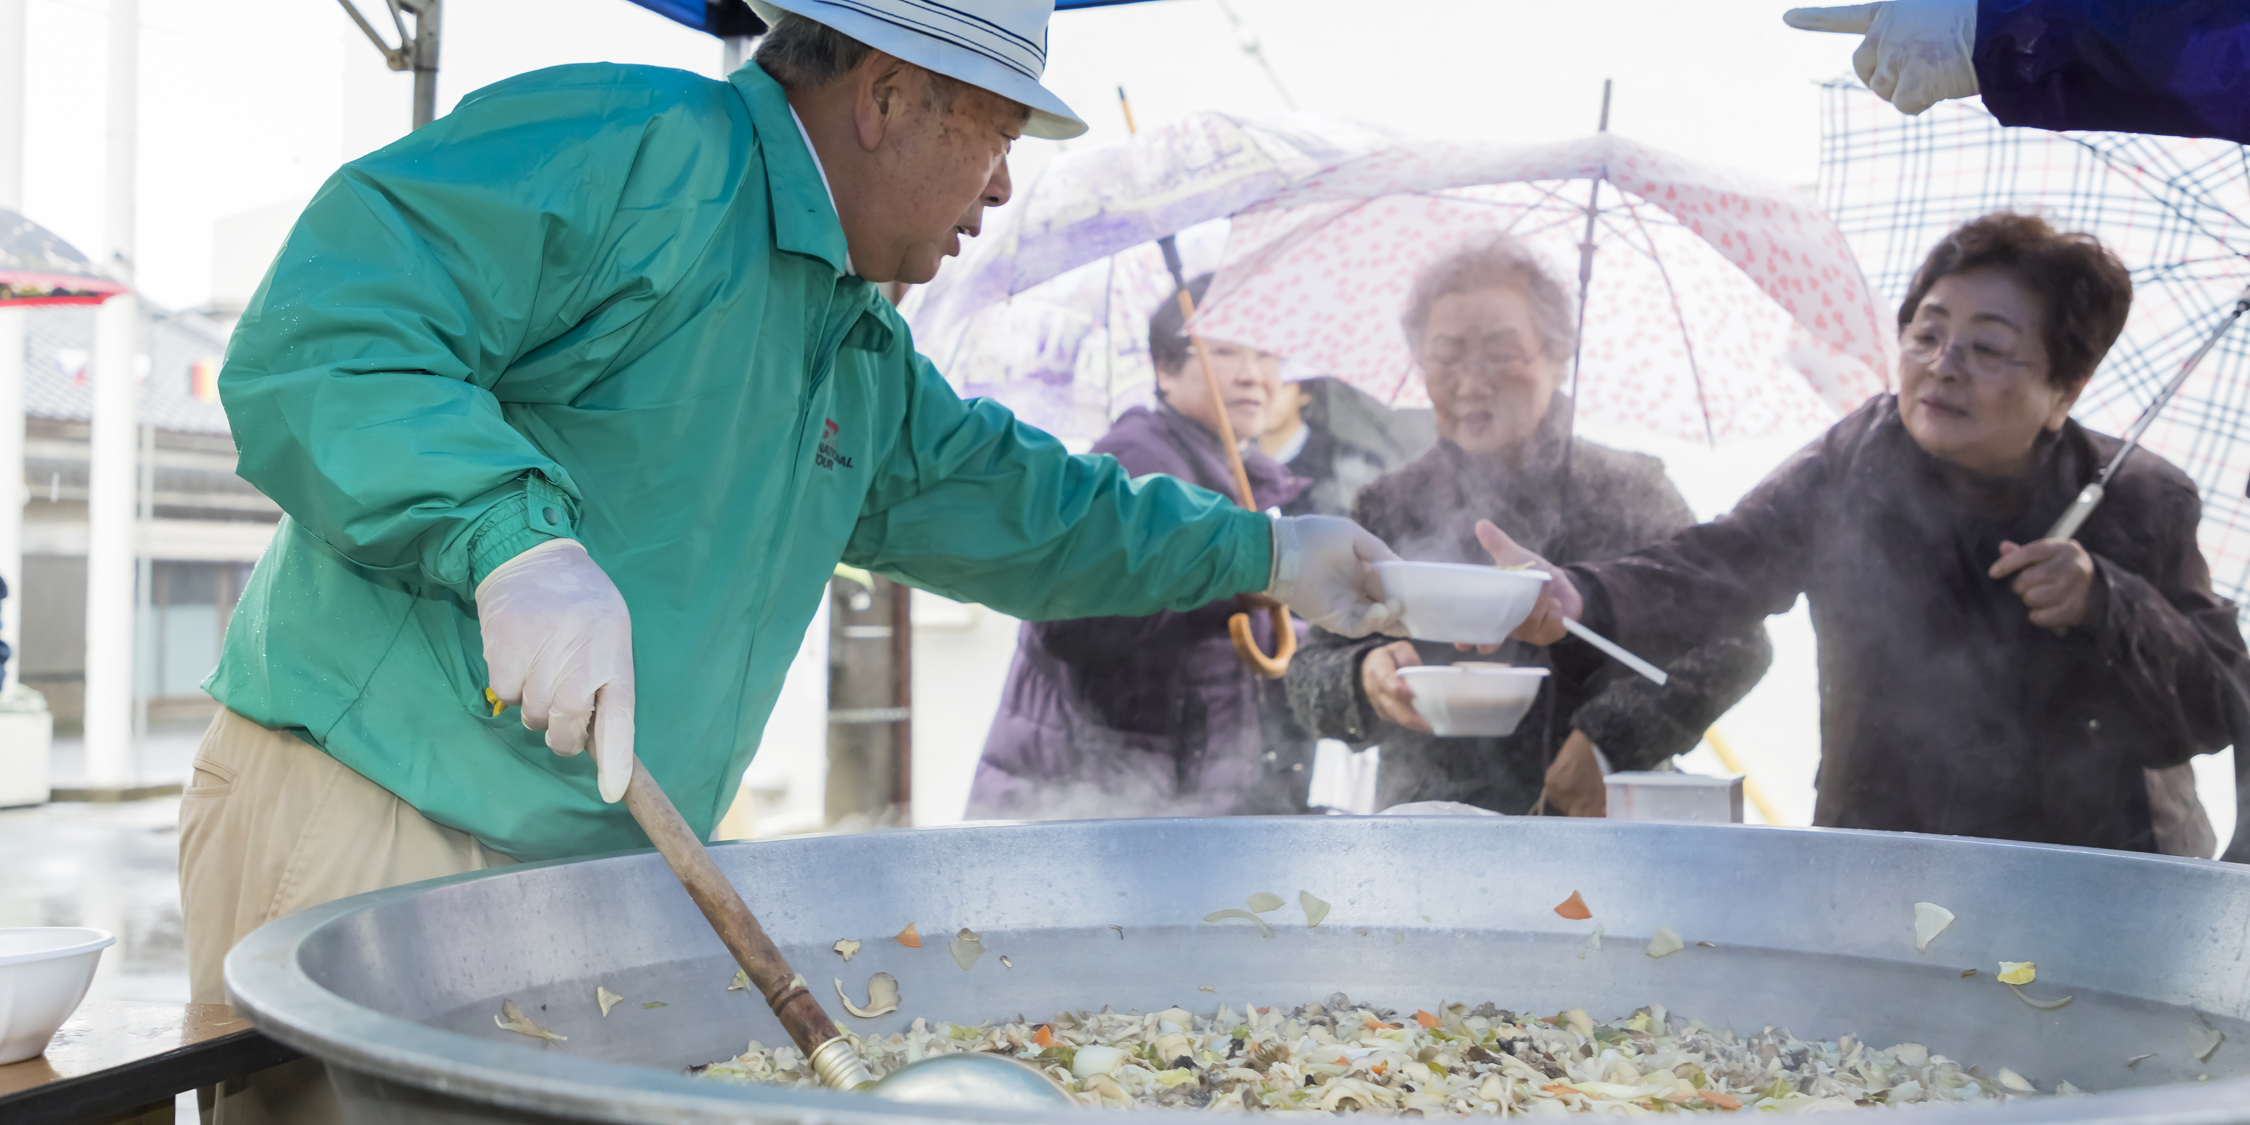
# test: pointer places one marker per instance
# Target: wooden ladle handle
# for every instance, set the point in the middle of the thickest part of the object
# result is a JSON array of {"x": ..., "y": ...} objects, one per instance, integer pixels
[{"x": 800, "y": 1014}]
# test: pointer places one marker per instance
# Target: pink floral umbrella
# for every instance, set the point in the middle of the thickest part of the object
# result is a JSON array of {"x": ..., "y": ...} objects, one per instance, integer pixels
[{"x": 1720, "y": 307}]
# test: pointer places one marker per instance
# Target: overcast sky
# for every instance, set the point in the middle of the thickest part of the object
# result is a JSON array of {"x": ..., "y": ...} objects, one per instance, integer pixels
[{"x": 246, "y": 103}]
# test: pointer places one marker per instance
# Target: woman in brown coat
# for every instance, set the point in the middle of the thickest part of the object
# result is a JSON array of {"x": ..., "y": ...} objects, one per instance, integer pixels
[{"x": 1975, "y": 678}]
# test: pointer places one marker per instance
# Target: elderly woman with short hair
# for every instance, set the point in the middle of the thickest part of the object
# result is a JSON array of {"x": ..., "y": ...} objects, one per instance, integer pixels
[
  {"x": 1155, "y": 714},
  {"x": 1492, "y": 332},
  {"x": 1976, "y": 679}
]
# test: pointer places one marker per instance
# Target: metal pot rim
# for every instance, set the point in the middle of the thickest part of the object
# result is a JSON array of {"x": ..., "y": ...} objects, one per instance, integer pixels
[{"x": 266, "y": 982}]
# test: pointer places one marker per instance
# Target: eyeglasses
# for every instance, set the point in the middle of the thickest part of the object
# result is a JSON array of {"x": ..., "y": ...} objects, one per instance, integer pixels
[
  {"x": 1928, "y": 347},
  {"x": 1499, "y": 353}
]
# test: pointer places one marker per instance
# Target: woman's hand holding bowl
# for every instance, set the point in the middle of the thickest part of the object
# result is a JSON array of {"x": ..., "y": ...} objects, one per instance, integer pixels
[
  {"x": 1559, "y": 600},
  {"x": 1387, "y": 691}
]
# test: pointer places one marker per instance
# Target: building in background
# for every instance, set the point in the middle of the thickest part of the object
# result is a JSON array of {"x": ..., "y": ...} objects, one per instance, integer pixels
[{"x": 200, "y": 527}]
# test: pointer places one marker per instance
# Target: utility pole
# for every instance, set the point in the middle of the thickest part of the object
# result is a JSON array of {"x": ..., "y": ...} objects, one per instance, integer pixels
[
  {"x": 417, "y": 52},
  {"x": 110, "y": 501},
  {"x": 12, "y": 323}
]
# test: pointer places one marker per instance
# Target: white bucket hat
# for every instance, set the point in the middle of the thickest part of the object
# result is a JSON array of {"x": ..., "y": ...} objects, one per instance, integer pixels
[{"x": 998, "y": 45}]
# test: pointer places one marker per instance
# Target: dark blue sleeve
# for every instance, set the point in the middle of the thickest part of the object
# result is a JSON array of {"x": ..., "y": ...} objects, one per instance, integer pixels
[{"x": 2172, "y": 67}]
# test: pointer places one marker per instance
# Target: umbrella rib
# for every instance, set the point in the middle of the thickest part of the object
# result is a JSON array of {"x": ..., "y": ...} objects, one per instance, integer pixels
[
  {"x": 2165, "y": 188},
  {"x": 1109, "y": 341},
  {"x": 1695, "y": 373},
  {"x": 1627, "y": 238}
]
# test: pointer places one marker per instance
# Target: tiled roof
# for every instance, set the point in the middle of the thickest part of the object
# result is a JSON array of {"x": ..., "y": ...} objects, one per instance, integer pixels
[{"x": 60, "y": 343}]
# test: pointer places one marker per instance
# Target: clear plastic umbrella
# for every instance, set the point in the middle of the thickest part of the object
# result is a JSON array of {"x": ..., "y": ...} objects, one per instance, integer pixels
[
  {"x": 1070, "y": 354},
  {"x": 1720, "y": 307},
  {"x": 1047, "y": 310}
]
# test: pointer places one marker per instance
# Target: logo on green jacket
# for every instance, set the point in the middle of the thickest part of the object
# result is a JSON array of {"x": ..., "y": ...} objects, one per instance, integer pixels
[{"x": 828, "y": 457}]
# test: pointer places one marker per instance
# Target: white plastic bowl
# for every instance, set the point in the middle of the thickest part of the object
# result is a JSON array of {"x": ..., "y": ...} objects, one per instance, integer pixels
[
  {"x": 1477, "y": 605},
  {"x": 1471, "y": 699},
  {"x": 44, "y": 971}
]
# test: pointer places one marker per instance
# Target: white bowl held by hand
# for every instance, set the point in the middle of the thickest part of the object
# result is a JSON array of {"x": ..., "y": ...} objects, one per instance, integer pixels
[
  {"x": 1457, "y": 602},
  {"x": 44, "y": 971},
  {"x": 1463, "y": 700}
]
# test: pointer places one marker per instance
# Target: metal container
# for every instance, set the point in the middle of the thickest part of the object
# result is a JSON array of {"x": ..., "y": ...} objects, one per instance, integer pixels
[
  {"x": 1674, "y": 795},
  {"x": 1810, "y": 929}
]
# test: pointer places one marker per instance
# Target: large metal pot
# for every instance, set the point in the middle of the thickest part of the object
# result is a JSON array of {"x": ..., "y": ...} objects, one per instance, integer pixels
[{"x": 1812, "y": 930}]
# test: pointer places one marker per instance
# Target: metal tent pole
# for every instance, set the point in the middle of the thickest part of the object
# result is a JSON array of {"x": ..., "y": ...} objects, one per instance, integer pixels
[
  {"x": 417, "y": 52},
  {"x": 424, "y": 57},
  {"x": 110, "y": 487}
]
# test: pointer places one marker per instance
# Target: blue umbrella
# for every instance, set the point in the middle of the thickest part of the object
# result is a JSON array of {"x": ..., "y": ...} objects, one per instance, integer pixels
[{"x": 727, "y": 18}]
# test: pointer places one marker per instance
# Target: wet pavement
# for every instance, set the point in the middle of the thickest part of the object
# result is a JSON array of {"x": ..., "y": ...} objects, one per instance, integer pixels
[
  {"x": 165, "y": 757},
  {"x": 114, "y": 867}
]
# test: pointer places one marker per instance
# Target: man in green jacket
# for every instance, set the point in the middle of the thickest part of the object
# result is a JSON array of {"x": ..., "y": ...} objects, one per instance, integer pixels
[{"x": 579, "y": 394}]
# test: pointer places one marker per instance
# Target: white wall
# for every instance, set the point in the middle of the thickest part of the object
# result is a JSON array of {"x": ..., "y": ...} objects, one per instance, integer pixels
[
  {"x": 961, "y": 658},
  {"x": 786, "y": 787},
  {"x": 242, "y": 248}
]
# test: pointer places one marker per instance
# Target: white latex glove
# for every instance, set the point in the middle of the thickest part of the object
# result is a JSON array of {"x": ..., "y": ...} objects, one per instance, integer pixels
[
  {"x": 1916, "y": 52},
  {"x": 559, "y": 643},
  {"x": 1323, "y": 570}
]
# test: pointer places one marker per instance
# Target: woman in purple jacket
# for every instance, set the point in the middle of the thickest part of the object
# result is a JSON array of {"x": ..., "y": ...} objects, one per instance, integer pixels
[
  {"x": 2176, "y": 68},
  {"x": 1125, "y": 716}
]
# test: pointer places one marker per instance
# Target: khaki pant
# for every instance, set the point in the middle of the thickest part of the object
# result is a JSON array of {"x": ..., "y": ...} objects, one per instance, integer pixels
[{"x": 270, "y": 826}]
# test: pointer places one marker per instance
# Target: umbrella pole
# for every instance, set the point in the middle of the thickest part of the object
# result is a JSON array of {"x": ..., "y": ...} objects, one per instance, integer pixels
[
  {"x": 1238, "y": 626},
  {"x": 2075, "y": 516}
]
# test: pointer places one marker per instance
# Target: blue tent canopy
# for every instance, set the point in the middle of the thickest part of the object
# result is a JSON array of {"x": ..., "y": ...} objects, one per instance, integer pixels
[{"x": 733, "y": 17}]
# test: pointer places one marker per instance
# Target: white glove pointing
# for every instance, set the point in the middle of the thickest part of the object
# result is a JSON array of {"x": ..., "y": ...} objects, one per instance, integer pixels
[
  {"x": 559, "y": 642},
  {"x": 1916, "y": 52},
  {"x": 1323, "y": 569}
]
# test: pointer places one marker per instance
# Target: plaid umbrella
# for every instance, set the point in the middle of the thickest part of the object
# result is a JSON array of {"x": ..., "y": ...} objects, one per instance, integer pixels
[
  {"x": 1720, "y": 307},
  {"x": 38, "y": 268},
  {"x": 2176, "y": 210},
  {"x": 1047, "y": 310}
]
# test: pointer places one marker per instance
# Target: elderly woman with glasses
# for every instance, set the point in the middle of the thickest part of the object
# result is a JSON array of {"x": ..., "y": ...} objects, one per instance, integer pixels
[
  {"x": 1976, "y": 679},
  {"x": 1492, "y": 332}
]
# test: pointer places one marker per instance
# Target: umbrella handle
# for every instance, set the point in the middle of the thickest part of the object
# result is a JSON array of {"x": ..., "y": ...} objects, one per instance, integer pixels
[
  {"x": 1238, "y": 626},
  {"x": 1246, "y": 645}
]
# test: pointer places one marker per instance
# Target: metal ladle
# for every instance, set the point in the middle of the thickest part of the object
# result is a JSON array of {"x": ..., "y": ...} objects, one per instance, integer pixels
[{"x": 970, "y": 1078}]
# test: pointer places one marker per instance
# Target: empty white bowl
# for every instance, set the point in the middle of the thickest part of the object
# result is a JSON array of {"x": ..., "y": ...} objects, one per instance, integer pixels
[
  {"x": 1476, "y": 605},
  {"x": 44, "y": 971},
  {"x": 1470, "y": 699}
]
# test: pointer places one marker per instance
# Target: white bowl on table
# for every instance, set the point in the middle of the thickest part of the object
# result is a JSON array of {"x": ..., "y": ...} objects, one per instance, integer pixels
[
  {"x": 44, "y": 972},
  {"x": 1461, "y": 603},
  {"x": 1472, "y": 699}
]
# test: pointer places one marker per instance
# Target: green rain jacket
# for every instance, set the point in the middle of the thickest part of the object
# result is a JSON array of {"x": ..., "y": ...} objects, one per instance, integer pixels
[{"x": 608, "y": 303}]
